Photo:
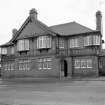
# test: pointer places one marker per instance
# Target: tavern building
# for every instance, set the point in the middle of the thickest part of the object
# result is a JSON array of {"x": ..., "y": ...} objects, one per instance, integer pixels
[{"x": 67, "y": 50}]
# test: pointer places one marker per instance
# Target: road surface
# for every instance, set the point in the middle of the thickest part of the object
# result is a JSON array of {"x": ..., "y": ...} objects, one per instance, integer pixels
[{"x": 52, "y": 93}]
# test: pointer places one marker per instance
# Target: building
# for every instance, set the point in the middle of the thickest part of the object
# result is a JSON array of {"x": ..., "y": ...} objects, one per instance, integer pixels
[{"x": 65, "y": 50}]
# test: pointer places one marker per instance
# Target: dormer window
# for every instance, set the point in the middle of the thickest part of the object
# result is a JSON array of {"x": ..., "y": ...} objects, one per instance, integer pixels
[
  {"x": 23, "y": 45},
  {"x": 43, "y": 42},
  {"x": 3, "y": 51}
]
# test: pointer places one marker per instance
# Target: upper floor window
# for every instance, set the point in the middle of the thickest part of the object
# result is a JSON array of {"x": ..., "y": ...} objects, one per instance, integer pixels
[
  {"x": 23, "y": 45},
  {"x": 44, "y": 42},
  {"x": 4, "y": 51},
  {"x": 87, "y": 40},
  {"x": 92, "y": 40},
  {"x": 74, "y": 42},
  {"x": 61, "y": 43},
  {"x": 96, "y": 40}
]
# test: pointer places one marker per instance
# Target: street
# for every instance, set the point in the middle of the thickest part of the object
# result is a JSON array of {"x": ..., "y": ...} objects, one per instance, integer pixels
[{"x": 42, "y": 92}]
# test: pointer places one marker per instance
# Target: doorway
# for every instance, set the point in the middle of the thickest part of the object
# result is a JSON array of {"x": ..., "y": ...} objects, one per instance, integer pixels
[
  {"x": 102, "y": 66},
  {"x": 64, "y": 68}
]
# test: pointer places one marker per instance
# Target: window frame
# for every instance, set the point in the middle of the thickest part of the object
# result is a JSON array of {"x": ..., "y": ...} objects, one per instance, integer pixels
[
  {"x": 44, "y": 42},
  {"x": 77, "y": 64},
  {"x": 23, "y": 45},
  {"x": 74, "y": 43}
]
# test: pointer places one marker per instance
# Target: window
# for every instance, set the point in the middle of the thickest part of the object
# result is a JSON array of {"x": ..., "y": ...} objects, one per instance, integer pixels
[
  {"x": 74, "y": 43},
  {"x": 4, "y": 51},
  {"x": 9, "y": 66},
  {"x": 82, "y": 63},
  {"x": 61, "y": 43},
  {"x": 77, "y": 63},
  {"x": 87, "y": 40},
  {"x": 89, "y": 63},
  {"x": 44, "y": 42},
  {"x": 40, "y": 64},
  {"x": 96, "y": 40},
  {"x": 23, "y": 45},
  {"x": 24, "y": 65},
  {"x": 44, "y": 63},
  {"x": 92, "y": 40}
]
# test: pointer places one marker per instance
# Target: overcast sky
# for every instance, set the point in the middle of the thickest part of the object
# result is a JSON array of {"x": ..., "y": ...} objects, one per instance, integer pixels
[{"x": 14, "y": 12}]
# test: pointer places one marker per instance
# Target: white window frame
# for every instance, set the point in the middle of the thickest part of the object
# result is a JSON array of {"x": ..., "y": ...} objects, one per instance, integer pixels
[
  {"x": 23, "y": 44},
  {"x": 4, "y": 51},
  {"x": 44, "y": 42},
  {"x": 43, "y": 63},
  {"x": 83, "y": 62},
  {"x": 74, "y": 42},
  {"x": 77, "y": 63},
  {"x": 61, "y": 43},
  {"x": 88, "y": 40},
  {"x": 96, "y": 40},
  {"x": 89, "y": 62}
]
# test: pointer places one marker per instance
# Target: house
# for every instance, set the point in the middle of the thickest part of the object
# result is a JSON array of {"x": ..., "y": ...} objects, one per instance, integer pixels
[{"x": 64, "y": 50}]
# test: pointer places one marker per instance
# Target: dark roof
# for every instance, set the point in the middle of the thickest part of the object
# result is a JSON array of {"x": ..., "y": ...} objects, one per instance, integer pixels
[
  {"x": 30, "y": 29},
  {"x": 36, "y": 27},
  {"x": 71, "y": 28}
]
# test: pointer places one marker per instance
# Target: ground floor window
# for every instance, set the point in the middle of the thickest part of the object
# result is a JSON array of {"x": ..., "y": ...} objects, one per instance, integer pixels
[
  {"x": 82, "y": 63},
  {"x": 24, "y": 64},
  {"x": 44, "y": 63},
  {"x": 9, "y": 66}
]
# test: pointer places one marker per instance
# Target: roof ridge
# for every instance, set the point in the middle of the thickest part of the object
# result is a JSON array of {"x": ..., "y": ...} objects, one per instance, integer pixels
[
  {"x": 84, "y": 26},
  {"x": 62, "y": 24}
]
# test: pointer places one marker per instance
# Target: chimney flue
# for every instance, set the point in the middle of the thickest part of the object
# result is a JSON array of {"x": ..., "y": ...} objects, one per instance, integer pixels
[{"x": 99, "y": 21}]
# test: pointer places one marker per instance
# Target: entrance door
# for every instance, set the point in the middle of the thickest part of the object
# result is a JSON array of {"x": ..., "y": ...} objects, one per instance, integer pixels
[
  {"x": 64, "y": 68},
  {"x": 102, "y": 66}
]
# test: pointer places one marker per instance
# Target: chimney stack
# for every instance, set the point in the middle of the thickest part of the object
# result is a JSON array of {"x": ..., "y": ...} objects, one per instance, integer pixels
[
  {"x": 99, "y": 21},
  {"x": 33, "y": 13},
  {"x": 14, "y": 31}
]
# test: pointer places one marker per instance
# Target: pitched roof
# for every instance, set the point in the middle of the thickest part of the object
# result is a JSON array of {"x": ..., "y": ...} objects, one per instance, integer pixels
[
  {"x": 34, "y": 28},
  {"x": 71, "y": 28}
]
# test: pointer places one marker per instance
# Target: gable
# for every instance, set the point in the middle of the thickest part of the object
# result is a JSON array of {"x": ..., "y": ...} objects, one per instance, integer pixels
[
  {"x": 70, "y": 29},
  {"x": 33, "y": 29}
]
